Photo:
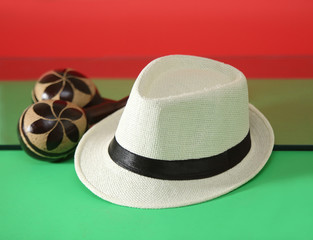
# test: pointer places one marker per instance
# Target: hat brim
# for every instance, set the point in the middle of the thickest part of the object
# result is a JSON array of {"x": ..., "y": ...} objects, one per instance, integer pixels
[{"x": 115, "y": 184}]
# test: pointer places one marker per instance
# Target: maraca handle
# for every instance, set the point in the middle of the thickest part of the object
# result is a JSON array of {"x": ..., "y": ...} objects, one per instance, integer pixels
[
  {"x": 97, "y": 99},
  {"x": 95, "y": 113}
]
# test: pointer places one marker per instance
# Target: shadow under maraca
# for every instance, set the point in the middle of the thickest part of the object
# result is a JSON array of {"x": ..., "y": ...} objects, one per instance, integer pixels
[{"x": 69, "y": 159}]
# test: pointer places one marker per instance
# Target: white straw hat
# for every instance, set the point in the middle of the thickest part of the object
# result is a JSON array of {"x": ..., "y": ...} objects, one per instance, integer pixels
[{"x": 187, "y": 134}]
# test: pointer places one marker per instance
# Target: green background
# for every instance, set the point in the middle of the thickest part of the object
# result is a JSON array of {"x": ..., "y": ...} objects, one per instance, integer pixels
[
  {"x": 41, "y": 200},
  {"x": 288, "y": 105}
]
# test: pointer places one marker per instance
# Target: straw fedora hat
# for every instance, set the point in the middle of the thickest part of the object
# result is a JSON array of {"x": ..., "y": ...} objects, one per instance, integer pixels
[{"x": 187, "y": 134}]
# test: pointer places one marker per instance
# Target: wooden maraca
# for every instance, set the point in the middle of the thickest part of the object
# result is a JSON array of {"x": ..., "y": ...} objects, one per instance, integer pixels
[
  {"x": 50, "y": 130},
  {"x": 68, "y": 85}
]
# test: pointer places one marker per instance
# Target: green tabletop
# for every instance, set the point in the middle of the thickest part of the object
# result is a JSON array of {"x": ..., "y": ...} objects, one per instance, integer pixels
[{"x": 40, "y": 200}]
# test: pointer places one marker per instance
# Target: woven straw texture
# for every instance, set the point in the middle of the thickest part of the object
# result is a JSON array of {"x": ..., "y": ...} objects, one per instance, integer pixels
[
  {"x": 187, "y": 101},
  {"x": 180, "y": 107}
]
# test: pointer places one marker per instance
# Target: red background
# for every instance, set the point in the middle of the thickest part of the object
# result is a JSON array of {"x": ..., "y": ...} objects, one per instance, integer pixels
[{"x": 99, "y": 28}]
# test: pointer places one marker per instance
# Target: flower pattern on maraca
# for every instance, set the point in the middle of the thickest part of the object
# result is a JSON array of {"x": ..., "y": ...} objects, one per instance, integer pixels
[
  {"x": 55, "y": 120},
  {"x": 64, "y": 82}
]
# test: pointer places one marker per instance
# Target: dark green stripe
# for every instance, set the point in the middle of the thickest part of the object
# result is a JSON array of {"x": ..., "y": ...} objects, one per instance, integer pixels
[
  {"x": 276, "y": 147},
  {"x": 293, "y": 147},
  {"x": 10, "y": 147}
]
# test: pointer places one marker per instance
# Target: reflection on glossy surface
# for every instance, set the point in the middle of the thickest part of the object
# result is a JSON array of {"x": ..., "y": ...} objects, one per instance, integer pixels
[{"x": 288, "y": 105}]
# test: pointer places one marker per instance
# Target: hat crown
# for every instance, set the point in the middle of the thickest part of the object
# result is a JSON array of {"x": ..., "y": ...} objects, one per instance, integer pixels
[{"x": 185, "y": 107}]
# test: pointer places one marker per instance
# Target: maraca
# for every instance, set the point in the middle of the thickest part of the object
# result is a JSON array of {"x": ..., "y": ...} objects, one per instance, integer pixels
[
  {"x": 50, "y": 130},
  {"x": 68, "y": 85}
]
